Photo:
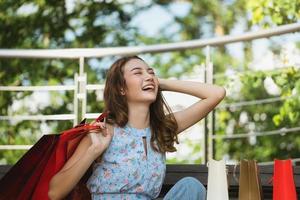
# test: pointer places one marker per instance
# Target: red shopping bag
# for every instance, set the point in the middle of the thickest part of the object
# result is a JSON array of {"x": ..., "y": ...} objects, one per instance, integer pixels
[
  {"x": 283, "y": 181},
  {"x": 29, "y": 178}
]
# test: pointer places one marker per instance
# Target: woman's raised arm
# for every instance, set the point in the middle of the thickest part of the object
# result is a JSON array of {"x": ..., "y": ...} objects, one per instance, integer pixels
[{"x": 209, "y": 94}]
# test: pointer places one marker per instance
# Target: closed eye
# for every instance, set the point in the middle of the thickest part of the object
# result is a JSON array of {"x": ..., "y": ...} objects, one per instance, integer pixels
[
  {"x": 151, "y": 71},
  {"x": 138, "y": 71}
]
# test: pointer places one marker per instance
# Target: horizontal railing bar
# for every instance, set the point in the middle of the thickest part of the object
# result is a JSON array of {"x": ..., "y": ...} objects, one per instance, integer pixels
[
  {"x": 255, "y": 102},
  {"x": 264, "y": 133},
  {"x": 92, "y": 115},
  {"x": 39, "y": 117},
  {"x": 48, "y": 88},
  {"x": 95, "y": 87},
  {"x": 38, "y": 88},
  {"x": 101, "y": 87},
  {"x": 240, "y": 73},
  {"x": 176, "y": 46},
  {"x": 15, "y": 147}
]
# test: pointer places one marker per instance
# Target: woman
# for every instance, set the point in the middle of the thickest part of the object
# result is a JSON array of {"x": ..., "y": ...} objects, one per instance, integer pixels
[{"x": 129, "y": 151}]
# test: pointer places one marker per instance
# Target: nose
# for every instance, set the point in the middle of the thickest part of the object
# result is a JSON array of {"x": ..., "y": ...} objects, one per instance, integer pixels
[{"x": 148, "y": 77}]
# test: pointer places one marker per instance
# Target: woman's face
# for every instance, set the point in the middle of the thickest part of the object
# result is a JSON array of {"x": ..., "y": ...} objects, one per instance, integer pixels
[{"x": 141, "y": 82}]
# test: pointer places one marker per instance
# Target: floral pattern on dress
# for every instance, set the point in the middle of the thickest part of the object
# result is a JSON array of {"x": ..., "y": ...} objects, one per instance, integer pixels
[{"x": 125, "y": 171}]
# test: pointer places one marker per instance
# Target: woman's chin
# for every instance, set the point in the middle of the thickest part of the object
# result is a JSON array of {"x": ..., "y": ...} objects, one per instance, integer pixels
[{"x": 149, "y": 99}]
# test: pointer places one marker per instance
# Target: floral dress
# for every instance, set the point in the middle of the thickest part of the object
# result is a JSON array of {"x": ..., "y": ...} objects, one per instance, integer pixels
[{"x": 126, "y": 170}]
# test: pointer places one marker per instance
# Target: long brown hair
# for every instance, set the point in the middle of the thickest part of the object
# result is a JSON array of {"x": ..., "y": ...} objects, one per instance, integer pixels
[{"x": 163, "y": 124}]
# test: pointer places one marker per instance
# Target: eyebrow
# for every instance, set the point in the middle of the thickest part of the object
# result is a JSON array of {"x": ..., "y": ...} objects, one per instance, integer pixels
[{"x": 141, "y": 68}]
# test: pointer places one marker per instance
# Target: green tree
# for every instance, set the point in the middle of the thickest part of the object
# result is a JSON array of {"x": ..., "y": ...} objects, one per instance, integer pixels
[
  {"x": 274, "y": 12},
  {"x": 52, "y": 24},
  {"x": 278, "y": 115},
  {"x": 217, "y": 18}
]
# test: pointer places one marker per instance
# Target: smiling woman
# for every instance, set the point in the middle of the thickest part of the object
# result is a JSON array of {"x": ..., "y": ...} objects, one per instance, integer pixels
[
  {"x": 141, "y": 82},
  {"x": 128, "y": 154}
]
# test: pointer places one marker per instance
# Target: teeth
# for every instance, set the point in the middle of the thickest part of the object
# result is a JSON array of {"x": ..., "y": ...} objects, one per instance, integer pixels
[{"x": 148, "y": 87}]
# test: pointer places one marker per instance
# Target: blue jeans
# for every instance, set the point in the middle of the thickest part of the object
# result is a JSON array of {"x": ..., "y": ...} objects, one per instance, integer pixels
[{"x": 187, "y": 188}]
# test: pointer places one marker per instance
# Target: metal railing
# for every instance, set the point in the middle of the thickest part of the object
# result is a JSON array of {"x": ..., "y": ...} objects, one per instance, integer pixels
[
  {"x": 176, "y": 46},
  {"x": 80, "y": 87}
]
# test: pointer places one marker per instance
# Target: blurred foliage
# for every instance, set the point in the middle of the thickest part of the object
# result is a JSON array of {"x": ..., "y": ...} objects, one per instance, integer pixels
[
  {"x": 43, "y": 24},
  {"x": 274, "y": 12},
  {"x": 50, "y": 25},
  {"x": 258, "y": 118}
]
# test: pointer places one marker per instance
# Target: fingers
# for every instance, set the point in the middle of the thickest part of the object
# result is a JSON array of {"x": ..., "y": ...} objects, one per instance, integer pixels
[
  {"x": 104, "y": 121},
  {"x": 104, "y": 132},
  {"x": 101, "y": 125},
  {"x": 102, "y": 128}
]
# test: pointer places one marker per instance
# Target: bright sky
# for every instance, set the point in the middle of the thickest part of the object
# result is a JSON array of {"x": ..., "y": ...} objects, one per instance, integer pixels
[{"x": 152, "y": 20}]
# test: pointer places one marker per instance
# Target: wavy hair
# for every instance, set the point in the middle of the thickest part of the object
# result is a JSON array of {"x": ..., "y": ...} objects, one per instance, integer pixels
[{"x": 163, "y": 124}]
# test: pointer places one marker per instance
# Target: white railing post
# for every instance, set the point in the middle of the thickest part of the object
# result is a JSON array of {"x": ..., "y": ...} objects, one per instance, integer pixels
[
  {"x": 75, "y": 101},
  {"x": 209, "y": 119},
  {"x": 80, "y": 93},
  {"x": 82, "y": 86}
]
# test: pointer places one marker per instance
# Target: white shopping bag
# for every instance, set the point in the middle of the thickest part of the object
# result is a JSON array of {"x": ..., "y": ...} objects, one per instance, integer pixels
[{"x": 217, "y": 186}]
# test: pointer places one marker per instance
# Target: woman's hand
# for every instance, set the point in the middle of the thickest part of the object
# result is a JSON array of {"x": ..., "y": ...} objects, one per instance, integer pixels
[
  {"x": 88, "y": 150},
  {"x": 164, "y": 84},
  {"x": 160, "y": 83},
  {"x": 100, "y": 139}
]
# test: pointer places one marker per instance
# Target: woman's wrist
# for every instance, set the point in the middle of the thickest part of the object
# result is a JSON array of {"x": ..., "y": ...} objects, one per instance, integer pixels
[{"x": 162, "y": 84}]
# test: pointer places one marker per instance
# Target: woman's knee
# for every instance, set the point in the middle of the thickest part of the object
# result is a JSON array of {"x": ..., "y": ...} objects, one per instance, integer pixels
[
  {"x": 193, "y": 183},
  {"x": 187, "y": 188}
]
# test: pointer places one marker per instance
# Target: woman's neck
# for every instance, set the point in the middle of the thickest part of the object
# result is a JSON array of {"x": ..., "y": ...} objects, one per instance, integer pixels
[{"x": 139, "y": 116}]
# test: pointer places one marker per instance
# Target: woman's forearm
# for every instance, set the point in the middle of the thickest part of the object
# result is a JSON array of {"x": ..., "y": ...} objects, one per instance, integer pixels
[
  {"x": 210, "y": 96},
  {"x": 197, "y": 89},
  {"x": 66, "y": 179}
]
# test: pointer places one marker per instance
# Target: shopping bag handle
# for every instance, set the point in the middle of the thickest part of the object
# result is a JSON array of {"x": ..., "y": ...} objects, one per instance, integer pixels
[{"x": 102, "y": 116}]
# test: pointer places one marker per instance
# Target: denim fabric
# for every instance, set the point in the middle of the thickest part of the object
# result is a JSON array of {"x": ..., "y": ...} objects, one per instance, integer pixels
[{"x": 187, "y": 188}]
